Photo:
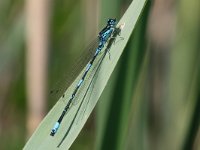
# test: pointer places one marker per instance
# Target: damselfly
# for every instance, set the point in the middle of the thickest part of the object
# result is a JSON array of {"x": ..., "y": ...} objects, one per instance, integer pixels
[{"x": 103, "y": 37}]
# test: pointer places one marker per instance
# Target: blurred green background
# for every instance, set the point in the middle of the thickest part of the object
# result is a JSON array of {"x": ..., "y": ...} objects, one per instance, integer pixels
[{"x": 152, "y": 100}]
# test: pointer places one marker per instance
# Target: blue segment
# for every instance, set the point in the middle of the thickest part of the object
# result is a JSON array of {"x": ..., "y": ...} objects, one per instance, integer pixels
[
  {"x": 105, "y": 34},
  {"x": 80, "y": 82},
  {"x": 55, "y": 128},
  {"x": 97, "y": 51},
  {"x": 88, "y": 67}
]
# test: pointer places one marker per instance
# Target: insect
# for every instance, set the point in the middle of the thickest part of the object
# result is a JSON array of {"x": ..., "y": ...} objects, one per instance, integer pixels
[{"x": 104, "y": 35}]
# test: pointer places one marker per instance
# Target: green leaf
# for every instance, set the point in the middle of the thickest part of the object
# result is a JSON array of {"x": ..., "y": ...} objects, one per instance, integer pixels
[{"x": 75, "y": 119}]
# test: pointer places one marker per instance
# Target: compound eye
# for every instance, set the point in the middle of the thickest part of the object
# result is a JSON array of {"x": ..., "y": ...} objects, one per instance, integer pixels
[{"x": 111, "y": 21}]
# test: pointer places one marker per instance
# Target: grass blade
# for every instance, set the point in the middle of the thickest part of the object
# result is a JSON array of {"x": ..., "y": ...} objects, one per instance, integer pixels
[{"x": 41, "y": 138}]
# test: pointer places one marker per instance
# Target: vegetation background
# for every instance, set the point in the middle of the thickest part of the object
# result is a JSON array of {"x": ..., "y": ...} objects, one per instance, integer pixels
[{"x": 152, "y": 100}]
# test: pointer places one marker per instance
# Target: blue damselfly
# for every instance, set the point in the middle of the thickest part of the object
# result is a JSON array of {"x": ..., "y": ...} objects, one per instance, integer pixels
[{"x": 103, "y": 38}]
